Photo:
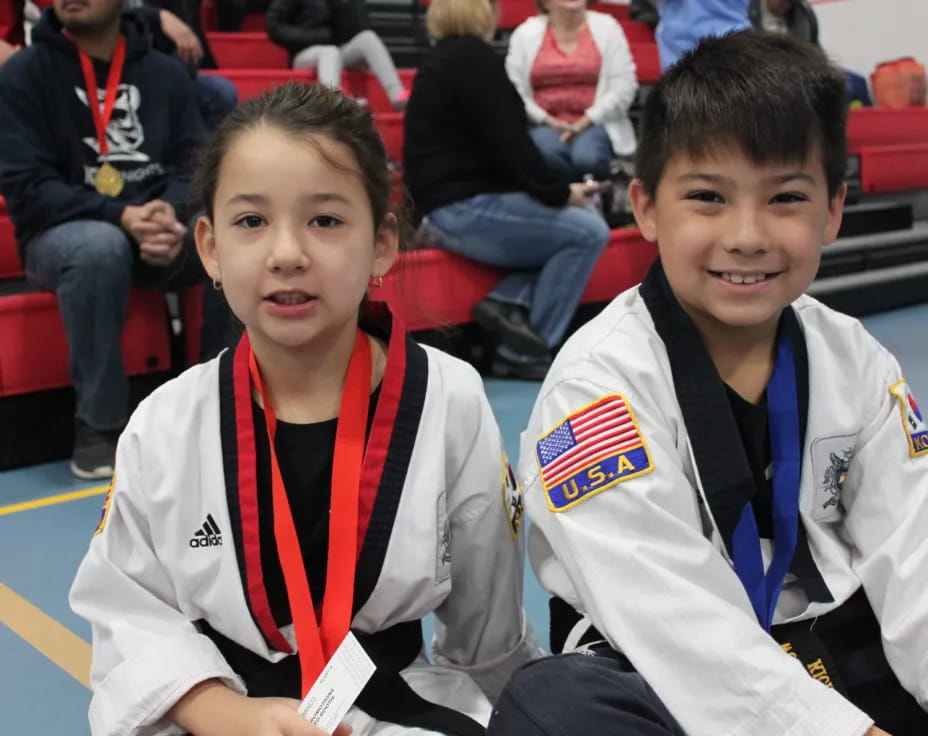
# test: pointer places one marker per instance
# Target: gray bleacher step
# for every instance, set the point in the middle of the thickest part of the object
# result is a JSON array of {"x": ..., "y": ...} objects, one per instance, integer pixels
[
  {"x": 866, "y": 292},
  {"x": 875, "y": 251}
]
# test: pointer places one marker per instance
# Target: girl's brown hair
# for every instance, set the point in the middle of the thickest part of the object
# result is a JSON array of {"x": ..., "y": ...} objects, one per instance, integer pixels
[{"x": 302, "y": 110}]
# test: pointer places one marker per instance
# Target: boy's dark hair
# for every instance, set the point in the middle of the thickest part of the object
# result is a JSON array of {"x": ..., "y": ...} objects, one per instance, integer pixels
[
  {"x": 302, "y": 110},
  {"x": 766, "y": 94}
]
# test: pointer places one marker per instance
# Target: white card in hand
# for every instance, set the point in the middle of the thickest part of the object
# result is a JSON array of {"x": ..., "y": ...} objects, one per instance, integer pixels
[{"x": 338, "y": 686}]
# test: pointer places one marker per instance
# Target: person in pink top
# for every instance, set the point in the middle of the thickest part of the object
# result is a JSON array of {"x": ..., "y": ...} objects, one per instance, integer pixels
[{"x": 575, "y": 73}]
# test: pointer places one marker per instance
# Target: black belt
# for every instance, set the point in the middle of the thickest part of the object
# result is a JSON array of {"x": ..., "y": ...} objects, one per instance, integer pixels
[{"x": 386, "y": 697}]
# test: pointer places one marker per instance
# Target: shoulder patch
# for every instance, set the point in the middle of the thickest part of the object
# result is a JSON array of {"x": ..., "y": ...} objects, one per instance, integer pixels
[
  {"x": 512, "y": 498},
  {"x": 105, "y": 511},
  {"x": 591, "y": 450},
  {"x": 913, "y": 423}
]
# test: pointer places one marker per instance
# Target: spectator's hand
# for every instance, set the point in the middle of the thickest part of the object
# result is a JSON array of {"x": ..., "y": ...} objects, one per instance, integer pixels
[
  {"x": 160, "y": 250},
  {"x": 6, "y": 51},
  {"x": 874, "y": 731},
  {"x": 581, "y": 193},
  {"x": 188, "y": 45},
  {"x": 558, "y": 125},
  {"x": 575, "y": 128}
]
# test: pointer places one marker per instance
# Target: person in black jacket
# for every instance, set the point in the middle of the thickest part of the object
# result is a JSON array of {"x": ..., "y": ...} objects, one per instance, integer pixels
[
  {"x": 97, "y": 208},
  {"x": 328, "y": 35},
  {"x": 488, "y": 194}
]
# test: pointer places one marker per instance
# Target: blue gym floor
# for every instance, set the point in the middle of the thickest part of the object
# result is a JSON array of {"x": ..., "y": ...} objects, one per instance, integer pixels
[{"x": 43, "y": 646}]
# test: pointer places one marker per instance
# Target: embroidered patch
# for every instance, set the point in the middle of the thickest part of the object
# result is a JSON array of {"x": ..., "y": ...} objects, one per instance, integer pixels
[
  {"x": 105, "y": 511},
  {"x": 443, "y": 549},
  {"x": 590, "y": 451},
  {"x": 831, "y": 460},
  {"x": 916, "y": 430},
  {"x": 512, "y": 498}
]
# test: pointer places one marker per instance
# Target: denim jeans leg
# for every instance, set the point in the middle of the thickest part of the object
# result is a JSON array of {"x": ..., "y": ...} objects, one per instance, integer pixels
[
  {"x": 88, "y": 264},
  {"x": 555, "y": 151},
  {"x": 591, "y": 153},
  {"x": 579, "y": 695},
  {"x": 516, "y": 232},
  {"x": 216, "y": 98}
]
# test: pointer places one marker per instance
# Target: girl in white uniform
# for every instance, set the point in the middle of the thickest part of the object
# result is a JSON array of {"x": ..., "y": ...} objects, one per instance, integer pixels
[
  {"x": 728, "y": 481},
  {"x": 316, "y": 478}
]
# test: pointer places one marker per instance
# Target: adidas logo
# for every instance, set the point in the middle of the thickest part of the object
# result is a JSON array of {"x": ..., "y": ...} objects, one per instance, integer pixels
[{"x": 208, "y": 536}]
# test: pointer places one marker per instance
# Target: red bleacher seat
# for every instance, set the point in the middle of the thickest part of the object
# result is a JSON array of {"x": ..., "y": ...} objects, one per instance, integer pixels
[
  {"x": 872, "y": 126},
  {"x": 647, "y": 61},
  {"x": 2, "y": 206},
  {"x": 26, "y": 367},
  {"x": 253, "y": 50},
  {"x": 616, "y": 10},
  {"x": 432, "y": 288},
  {"x": 365, "y": 85},
  {"x": 10, "y": 266},
  {"x": 390, "y": 127},
  {"x": 513, "y": 12},
  {"x": 252, "y": 82},
  {"x": 893, "y": 168}
]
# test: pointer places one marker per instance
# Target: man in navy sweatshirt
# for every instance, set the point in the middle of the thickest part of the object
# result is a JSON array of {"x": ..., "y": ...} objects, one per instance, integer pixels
[{"x": 97, "y": 137}]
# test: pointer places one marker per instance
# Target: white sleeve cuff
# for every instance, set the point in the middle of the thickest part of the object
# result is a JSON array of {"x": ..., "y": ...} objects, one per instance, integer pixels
[{"x": 142, "y": 689}]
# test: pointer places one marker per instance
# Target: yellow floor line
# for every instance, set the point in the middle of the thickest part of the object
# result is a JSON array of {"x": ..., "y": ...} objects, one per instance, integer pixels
[
  {"x": 52, "y": 500},
  {"x": 61, "y": 645}
]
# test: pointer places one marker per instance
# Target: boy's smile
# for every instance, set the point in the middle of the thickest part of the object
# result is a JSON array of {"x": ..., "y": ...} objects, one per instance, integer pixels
[{"x": 739, "y": 241}]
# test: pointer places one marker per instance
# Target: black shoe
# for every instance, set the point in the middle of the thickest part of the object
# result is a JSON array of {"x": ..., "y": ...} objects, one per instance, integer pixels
[
  {"x": 94, "y": 452},
  {"x": 510, "y": 323},
  {"x": 530, "y": 370}
]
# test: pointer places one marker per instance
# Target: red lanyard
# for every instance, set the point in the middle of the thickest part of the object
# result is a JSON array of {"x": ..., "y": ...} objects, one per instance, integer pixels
[
  {"x": 112, "y": 84},
  {"x": 315, "y": 643}
]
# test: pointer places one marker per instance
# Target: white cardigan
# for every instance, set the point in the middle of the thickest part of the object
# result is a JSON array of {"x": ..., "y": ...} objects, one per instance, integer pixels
[{"x": 617, "y": 84}]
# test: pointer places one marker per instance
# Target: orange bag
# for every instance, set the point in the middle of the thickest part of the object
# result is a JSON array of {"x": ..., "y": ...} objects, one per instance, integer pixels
[{"x": 899, "y": 83}]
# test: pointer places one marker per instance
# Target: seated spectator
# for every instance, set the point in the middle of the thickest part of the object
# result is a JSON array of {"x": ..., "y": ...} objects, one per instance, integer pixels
[
  {"x": 328, "y": 35},
  {"x": 12, "y": 31},
  {"x": 575, "y": 73},
  {"x": 797, "y": 18},
  {"x": 177, "y": 28},
  {"x": 97, "y": 132},
  {"x": 684, "y": 22},
  {"x": 794, "y": 17},
  {"x": 488, "y": 194}
]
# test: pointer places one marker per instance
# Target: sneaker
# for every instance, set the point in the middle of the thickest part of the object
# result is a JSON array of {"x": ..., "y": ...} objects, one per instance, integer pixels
[
  {"x": 510, "y": 323},
  {"x": 525, "y": 370},
  {"x": 94, "y": 452},
  {"x": 399, "y": 102}
]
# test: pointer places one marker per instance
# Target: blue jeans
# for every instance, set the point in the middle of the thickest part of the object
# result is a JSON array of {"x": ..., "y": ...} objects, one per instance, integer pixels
[
  {"x": 578, "y": 695},
  {"x": 216, "y": 98},
  {"x": 552, "y": 249},
  {"x": 588, "y": 153},
  {"x": 91, "y": 266}
]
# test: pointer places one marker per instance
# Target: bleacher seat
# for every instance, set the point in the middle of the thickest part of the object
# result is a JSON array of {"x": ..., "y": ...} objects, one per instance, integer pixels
[
  {"x": 873, "y": 126},
  {"x": 620, "y": 11},
  {"x": 24, "y": 368},
  {"x": 10, "y": 267},
  {"x": 893, "y": 168},
  {"x": 251, "y": 50},
  {"x": 252, "y": 82},
  {"x": 390, "y": 127},
  {"x": 432, "y": 288},
  {"x": 513, "y": 12},
  {"x": 647, "y": 62}
]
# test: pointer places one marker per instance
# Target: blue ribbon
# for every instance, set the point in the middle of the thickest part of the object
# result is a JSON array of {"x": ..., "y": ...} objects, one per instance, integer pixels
[{"x": 783, "y": 420}]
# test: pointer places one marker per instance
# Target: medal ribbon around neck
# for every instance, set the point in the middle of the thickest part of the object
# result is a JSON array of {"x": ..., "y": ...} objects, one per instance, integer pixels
[
  {"x": 317, "y": 643},
  {"x": 100, "y": 122}
]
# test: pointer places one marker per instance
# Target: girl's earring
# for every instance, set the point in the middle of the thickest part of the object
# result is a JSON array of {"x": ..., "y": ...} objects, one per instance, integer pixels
[
  {"x": 217, "y": 284},
  {"x": 375, "y": 281}
]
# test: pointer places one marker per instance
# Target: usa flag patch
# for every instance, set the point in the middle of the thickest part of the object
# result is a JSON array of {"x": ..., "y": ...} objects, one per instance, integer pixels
[
  {"x": 913, "y": 422},
  {"x": 590, "y": 451}
]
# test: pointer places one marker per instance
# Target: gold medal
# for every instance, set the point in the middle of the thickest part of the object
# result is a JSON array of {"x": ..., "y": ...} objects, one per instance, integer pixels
[{"x": 108, "y": 181}]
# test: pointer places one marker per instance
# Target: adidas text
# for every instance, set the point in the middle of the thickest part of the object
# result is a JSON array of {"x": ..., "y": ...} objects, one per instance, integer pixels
[{"x": 211, "y": 541}]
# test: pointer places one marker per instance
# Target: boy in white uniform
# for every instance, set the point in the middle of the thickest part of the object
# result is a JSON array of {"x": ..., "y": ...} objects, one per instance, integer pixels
[{"x": 728, "y": 480}]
